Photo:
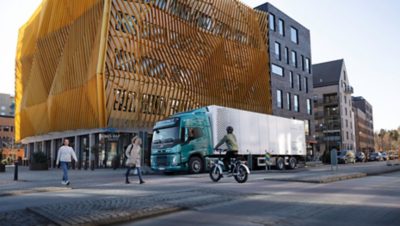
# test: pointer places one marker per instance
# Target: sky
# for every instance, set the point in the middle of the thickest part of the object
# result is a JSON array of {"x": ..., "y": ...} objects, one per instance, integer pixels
[{"x": 365, "y": 33}]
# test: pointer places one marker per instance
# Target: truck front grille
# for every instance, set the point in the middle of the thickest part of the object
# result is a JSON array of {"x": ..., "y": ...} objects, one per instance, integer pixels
[{"x": 162, "y": 160}]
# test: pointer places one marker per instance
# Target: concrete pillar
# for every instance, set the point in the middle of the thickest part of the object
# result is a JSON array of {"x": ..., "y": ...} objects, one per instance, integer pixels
[
  {"x": 44, "y": 147},
  {"x": 53, "y": 153},
  {"x": 28, "y": 151},
  {"x": 77, "y": 147},
  {"x": 77, "y": 150},
  {"x": 91, "y": 144},
  {"x": 35, "y": 147}
]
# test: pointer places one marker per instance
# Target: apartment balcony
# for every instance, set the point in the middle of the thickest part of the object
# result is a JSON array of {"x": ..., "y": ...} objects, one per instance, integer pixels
[
  {"x": 331, "y": 101},
  {"x": 349, "y": 90}
]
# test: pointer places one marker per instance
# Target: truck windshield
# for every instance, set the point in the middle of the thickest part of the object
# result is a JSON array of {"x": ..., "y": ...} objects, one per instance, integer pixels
[{"x": 166, "y": 135}]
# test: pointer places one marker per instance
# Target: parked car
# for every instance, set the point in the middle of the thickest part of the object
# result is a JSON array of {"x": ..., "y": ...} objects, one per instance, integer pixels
[
  {"x": 385, "y": 156},
  {"x": 375, "y": 156},
  {"x": 393, "y": 155},
  {"x": 361, "y": 157},
  {"x": 346, "y": 156}
]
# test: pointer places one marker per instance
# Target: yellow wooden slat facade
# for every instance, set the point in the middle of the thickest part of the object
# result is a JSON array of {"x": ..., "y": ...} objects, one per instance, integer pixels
[{"x": 85, "y": 64}]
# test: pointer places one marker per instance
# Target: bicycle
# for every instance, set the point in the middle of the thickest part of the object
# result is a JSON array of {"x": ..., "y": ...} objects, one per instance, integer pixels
[{"x": 238, "y": 169}]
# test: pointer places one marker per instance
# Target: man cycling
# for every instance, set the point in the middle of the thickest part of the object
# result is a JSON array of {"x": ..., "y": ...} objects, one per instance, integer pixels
[{"x": 231, "y": 143}]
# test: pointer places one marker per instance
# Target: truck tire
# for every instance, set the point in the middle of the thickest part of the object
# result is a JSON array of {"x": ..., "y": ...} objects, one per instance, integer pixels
[
  {"x": 292, "y": 163},
  {"x": 280, "y": 163},
  {"x": 195, "y": 165}
]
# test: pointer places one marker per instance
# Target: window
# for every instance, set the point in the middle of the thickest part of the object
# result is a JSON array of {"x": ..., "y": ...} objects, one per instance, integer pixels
[
  {"x": 272, "y": 22},
  {"x": 345, "y": 99},
  {"x": 288, "y": 101},
  {"x": 302, "y": 63},
  {"x": 281, "y": 27},
  {"x": 287, "y": 55},
  {"x": 293, "y": 35},
  {"x": 279, "y": 98},
  {"x": 296, "y": 103},
  {"x": 278, "y": 50},
  {"x": 192, "y": 134},
  {"x": 309, "y": 109},
  {"x": 306, "y": 84},
  {"x": 345, "y": 111},
  {"x": 294, "y": 58},
  {"x": 347, "y": 123},
  {"x": 277, "y": 70},
  {"x": 307, "y": 127},
  {"x": 347, "y": 135},
  {"x": 291, "y": 79},
  {"x": 299, "y": 82},
  {"x": 307, "y": 66}
]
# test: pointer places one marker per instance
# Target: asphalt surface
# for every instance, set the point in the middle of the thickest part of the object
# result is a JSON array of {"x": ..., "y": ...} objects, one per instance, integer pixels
[{"x": 100, "y": 197}]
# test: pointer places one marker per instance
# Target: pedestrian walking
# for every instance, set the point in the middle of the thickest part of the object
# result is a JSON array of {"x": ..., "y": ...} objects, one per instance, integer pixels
[
  {"x": 133, "y": 155},
  {"x": 65, "y": 153}
]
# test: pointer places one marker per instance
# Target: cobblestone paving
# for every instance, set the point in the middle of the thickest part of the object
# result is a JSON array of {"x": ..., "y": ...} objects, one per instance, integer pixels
[
  {"x": 113, "y": 210},
  {"x": 22, "y": 217}
]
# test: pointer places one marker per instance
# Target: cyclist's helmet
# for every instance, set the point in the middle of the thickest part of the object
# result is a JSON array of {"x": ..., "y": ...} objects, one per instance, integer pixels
[{"x": 229, "y": 129}]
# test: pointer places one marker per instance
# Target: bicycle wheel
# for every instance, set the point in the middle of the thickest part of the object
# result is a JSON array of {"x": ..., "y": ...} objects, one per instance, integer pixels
[
  {"x": 215, "y": 174},
  {"x": 241, "y": 174}
]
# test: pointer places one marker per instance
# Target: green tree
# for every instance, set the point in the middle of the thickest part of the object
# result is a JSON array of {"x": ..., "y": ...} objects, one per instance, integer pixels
[{"x": 394, "y": 137}]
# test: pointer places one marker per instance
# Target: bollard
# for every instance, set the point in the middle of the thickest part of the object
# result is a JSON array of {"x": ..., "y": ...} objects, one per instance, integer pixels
[
  {"x": 16, "y": 170},
  {"x": 267, "y": 159}
]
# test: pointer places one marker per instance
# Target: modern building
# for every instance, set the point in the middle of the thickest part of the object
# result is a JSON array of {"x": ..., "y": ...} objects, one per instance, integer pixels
[
  {"x": 7, "y": 105},
  {"x": 6, "y": 131},
  {"x": 291, "y": 72},
  {"x": 101, "y": 71},
  {"x": 364, "y": 124},
  {"x": 334, "y": 118}
]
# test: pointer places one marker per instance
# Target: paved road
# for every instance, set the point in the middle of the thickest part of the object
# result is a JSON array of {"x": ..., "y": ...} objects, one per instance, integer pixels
[
  {"x": 100, "y": 195},
  {"x": 367, "y": 201}
]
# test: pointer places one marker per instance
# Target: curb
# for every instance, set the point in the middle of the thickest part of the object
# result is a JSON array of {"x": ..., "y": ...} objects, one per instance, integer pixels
[
  {"x": 120, "y": 218},
  {"x": 333, "y": 178},
  {"x": 321, "y": 179},
  {"x": 35, "y": 190}
]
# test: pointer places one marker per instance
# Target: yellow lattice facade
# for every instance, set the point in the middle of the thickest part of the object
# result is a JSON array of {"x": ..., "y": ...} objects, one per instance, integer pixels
[{"x": 85, "y": 64}]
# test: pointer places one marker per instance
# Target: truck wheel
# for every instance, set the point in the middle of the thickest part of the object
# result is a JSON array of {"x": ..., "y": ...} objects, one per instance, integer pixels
[
  {"x": 292, "y": 163},
  {"x": 195, "y": 165},
  {"x": 280, "y": 163}
]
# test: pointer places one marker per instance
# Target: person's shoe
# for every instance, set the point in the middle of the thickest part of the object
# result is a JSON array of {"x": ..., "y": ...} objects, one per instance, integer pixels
[
  {"x": 142, "y": 182},
  {"x": 63, "y": 182},
  {"x": 127, "y": 181},
  {"x": 67, "y": 182}
]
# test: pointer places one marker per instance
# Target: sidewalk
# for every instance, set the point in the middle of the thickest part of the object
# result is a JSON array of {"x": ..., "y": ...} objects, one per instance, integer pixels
[{"x": 50, "y": 180}]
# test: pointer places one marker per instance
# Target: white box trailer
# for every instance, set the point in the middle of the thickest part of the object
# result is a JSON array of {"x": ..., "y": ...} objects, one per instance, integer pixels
[{"x": 256, "y": 133}]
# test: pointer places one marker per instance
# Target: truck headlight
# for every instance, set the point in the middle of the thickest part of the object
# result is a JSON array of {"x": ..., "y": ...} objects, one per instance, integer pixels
[{"x": 175, "y": 160}]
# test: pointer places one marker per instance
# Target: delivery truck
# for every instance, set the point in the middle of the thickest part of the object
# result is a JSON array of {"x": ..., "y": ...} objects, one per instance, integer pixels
[{"x": 185, "y": 141}]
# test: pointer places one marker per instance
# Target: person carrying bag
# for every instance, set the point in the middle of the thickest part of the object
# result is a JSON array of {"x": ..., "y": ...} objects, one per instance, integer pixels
[{"x": 133, "y": 154}]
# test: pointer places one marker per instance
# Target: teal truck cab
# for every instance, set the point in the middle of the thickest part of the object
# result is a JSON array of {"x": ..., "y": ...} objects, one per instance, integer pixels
[{"x": 182, "y": 142}]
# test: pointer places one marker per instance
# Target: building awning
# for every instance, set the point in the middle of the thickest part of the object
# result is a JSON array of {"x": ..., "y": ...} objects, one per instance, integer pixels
[{"x": 311, "y": 141}]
